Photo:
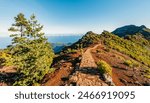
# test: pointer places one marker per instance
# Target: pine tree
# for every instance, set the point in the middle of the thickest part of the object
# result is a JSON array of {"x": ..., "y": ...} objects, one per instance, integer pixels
[
  {"x": 31, "y": 51},
  {"x": 19, "y": 28}
]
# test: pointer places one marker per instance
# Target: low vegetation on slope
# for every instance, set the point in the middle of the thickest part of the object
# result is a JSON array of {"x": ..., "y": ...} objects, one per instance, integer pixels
[
  {"x": 88, "y": 39},
  {"x": 139, "y": 39},
  {"x": 129, "y": 47},
  {"x": 104, "y": 67}
]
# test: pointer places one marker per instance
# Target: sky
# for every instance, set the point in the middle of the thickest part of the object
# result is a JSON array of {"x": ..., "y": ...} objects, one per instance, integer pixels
[{"x": 63, "y": 17}]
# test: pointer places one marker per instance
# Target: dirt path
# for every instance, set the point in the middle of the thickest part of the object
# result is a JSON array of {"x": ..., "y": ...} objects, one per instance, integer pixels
[
  {"x": 87, "y": 59},
  {"x": 88, "y": 74}
]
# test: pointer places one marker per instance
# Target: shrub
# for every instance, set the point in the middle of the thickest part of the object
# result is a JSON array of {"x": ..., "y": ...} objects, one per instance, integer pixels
[
  {"x": 128, "y": 63},
  {"x": 121, "y": 58},
  {"x": 104, "y": 67},
  {"x": 131, "y": 63},
  {"x": 147, "y": 71},
  {"x": 71, "y": 50},
  {"x": 5, "y": 59},
  {"x": 147, "y": 76}
]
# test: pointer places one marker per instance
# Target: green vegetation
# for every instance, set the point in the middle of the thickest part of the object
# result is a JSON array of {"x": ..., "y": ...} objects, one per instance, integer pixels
[
  {"x": 32, "y": 54},
  {"x": 104, "y": 67},
  {"x": 147, "y": 71},
  {"x": 5, "y": 59},
  {"x": 69, "y": 50},
  {"x": 119, "y": 57},
  {"x": 139, "y": 39},
  {"x": 131, "y": 63},
  {"x": 132, "y": 30},
  {"x": 80, "y": 47},
  {"x": 132, "y": 48},
  {"x": 88, "y": 39},
  {"x": 128, "y": 63}
]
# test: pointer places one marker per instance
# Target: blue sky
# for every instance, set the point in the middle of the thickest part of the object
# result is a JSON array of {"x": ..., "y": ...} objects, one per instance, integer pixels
[{"x": 76, "y": 16}]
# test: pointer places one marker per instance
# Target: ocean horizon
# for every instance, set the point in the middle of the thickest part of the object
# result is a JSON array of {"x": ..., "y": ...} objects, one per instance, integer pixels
[{"x": 5, "y": 41}]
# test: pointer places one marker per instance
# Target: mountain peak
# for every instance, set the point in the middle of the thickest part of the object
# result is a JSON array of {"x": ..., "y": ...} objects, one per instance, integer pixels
[
  {"x": 143, "y": 26},
  {"x": 89, "y": 32},
  {"x": 132, "y": 30}
]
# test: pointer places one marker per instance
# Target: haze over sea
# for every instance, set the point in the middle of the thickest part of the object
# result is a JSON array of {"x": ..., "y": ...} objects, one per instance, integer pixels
[{"x": 5, "y": 41}]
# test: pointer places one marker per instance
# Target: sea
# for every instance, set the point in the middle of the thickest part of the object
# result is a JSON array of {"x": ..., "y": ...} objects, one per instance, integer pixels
[{"x": 5, "y": 41}]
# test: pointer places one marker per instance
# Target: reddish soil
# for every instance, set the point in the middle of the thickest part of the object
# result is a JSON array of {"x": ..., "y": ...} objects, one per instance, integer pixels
[
  {"x": 56, "y": 78},
  {"x": 116, "y": 80},
  {"x": 121, "y": 74},
  {"x": 64, "y": 68}
]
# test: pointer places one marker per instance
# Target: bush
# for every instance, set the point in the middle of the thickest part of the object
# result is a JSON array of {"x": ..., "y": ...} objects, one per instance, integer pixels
[
  {"x": 128, "y": 63},
  {"x": 131, "y": 63},
  {"x": 147, "y": 71},
  {"x": 71, "y": 50},
  {"x": 5, "y": 59},
  {"x": 104, "y": 67}
]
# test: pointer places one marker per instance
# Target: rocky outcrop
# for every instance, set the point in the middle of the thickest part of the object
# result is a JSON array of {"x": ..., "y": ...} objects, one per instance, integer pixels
[
  {"x": 82, "y": 79},
  {"x": 108, "y": 79}
]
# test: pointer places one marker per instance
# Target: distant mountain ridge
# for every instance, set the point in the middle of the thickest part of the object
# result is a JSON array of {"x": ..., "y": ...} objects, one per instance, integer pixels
[
  {"x": 57, "y": 47},
  {"x": 132, "y": 30}
]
